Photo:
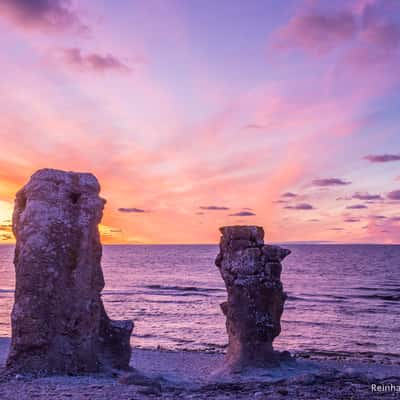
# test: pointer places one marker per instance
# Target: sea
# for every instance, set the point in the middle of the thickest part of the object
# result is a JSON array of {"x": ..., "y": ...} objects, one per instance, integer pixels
[{"x": 342, "y": 299}]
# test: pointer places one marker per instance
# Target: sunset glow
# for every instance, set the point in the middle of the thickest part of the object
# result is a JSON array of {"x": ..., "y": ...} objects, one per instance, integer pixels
[{"x": 195, "y": 115}]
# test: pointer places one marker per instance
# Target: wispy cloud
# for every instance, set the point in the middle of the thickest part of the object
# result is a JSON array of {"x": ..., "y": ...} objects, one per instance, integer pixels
[
  {"x": 382, "y": 158},
  {"x": 131, "y": 210},
  {"x": 91, "y": 62},
  {"x": 377, "y": 216},
  {"x": 214, "y": 208},
  {"x": 289, "y": 195},
  {"x": 330, "y": 182},
  {"x": 341, "y": 198},
  {"x": 317, "y": 33},
  {"x": 356, "y": 207},
  {"x": 366, "y": 196},
  {"x": 43, "y": 15},
  {"x": 350, "y": 220},
  {"x": 394, "y": 195},
  {"x": 243, "y": 214},
  {"x": 300, "y": 206}
]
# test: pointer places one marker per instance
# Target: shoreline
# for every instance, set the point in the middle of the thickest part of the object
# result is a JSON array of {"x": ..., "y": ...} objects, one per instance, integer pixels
[{"x": 171, "y": 374}]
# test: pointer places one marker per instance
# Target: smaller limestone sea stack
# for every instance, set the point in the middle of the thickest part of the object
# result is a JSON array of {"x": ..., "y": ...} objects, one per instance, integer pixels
[
  {"x": 251, "y": 271},
  {"x": 59, "y": 324}
]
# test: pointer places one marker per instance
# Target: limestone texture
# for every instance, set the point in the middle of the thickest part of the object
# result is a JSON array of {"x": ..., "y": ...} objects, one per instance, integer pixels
[
  {"x": 251, "y": 271},
  {"x": 59, "y": 324}
]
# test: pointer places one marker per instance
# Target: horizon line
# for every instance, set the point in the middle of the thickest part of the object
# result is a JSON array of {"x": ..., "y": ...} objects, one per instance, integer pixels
[{"x": 294, "y": 242}]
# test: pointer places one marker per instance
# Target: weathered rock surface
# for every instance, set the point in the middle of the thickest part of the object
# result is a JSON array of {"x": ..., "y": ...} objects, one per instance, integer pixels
[
  {"x": 251, "y": 271},
  {"x": 59, "y": 324}
]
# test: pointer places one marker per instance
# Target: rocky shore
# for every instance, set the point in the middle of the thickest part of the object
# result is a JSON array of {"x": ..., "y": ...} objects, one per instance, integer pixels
[{"x": 190, "y": 375}]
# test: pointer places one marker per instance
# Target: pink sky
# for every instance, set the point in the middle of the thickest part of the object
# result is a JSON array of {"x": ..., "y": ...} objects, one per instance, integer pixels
[{"x": 195, "y": 115}]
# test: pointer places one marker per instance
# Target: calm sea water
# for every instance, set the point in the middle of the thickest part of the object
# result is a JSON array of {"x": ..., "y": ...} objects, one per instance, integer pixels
[{"x": 341, "y": 298}]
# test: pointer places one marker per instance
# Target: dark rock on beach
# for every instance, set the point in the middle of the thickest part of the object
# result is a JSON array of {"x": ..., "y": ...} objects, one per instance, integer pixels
[
  {"x": 59, "y": 324},
  {"x": 251, "y": 271}
]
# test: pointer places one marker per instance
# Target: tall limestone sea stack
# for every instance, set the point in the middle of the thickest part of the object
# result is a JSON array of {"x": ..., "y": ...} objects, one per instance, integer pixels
[
  {"x": 251, "y": 271},
  {"x": 59, "y": 324}
]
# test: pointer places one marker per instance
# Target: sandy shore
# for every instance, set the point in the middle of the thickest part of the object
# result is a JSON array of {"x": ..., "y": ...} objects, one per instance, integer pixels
[{"x": 191, "y": 375}]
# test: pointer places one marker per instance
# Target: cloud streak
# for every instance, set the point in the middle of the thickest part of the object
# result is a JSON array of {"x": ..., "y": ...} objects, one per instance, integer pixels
[
  {"x": 131, "y": 210},
  {"x": 52, "y": 16},
  {"x": 300, "y": 206},
  {"x": 92, "y": 62},
  {"x": 214, "y": 208},
  {"x": 243, "y": 214},
  {"x": 366, "y": 196},
  {"x": 289, "y": 195},
  {"x": 351, "y": 220},
  {"x": 330, "y": 182},
  {"x": 382, "y": 158},
  {"x": 394, "y": 195},
  {"x": 317, "y": 33},
  {"x": 356, "y": 207}
]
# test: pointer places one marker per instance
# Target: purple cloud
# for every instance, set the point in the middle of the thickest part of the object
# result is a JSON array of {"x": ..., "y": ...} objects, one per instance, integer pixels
[
  {"x": 356, "y": 207},
  {"x": 131, "y": 210},
  {"x": 42, "y": 15},
  {"x": 366, "y": 196},
  {"x": 242, "y": 214},
  {"x": 330, "y": 182},
  {"x": 289, "y": 195},
  {"x": 300, "y": 206},
  {"x": 394, "y": 195},
  {"x": 351, "y": 220},
  {"x": 343, "y": 198},
  {"x": 377, "y": 217},
  {"x": 92, "y": 61},
  {"x": 317, "y": 33},
  {"x": 378, "y": 30},
  {"x": 214, "y": 208},
  {"x": 336, "y": 229},
  {"x": 382, "y": 158}
]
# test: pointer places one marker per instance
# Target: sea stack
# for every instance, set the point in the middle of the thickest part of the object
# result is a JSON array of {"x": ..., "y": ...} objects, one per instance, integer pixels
[
  {"x": 59, "y": 324},
  {"x": 251, "y": 272}
]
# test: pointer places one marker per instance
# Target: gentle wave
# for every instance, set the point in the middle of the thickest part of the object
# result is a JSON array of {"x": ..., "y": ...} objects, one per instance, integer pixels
[
  {"x": 381, "y": 297},
  {"x": 183, "y": 288}
]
